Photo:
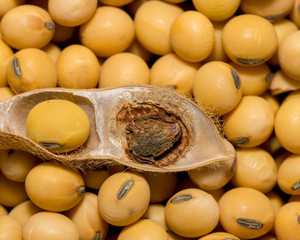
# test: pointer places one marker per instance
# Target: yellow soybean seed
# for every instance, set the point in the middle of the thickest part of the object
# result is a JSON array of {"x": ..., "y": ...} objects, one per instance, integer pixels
[
  {"x": 162, "y": 185},
  {"x": 50, "y": 225},
  {"x": 287, "y": 123},
  {"x": 249, "y": 39},
  {"x": 217, "y": 87},
  {"x": 16, "y": 164},
  {"x": 6, "y": 93},
  {"x": 137, "y": 49},
  {"x": 246, "y": 212},
  {"x": 288, "y": 175},
  {"x": 219, "y": 236},
  {"x": 23, "y": 211},
  {"x": 143, "y": 228},
  {"x": 58, "y": 125},
  {"x": 11, "y": 192},
  {"x": 31, "y": 69},
  {"x": 110, "y": 24},
  {"x": 123, "y": 198},
  {"x": 10, "y": 228},
  {"x": 3, "y": 210},
  {"x": 254, "y": 80},
  {"x": 192, "y": 36},
  {"x": 71, "y": 13},
  {"x": 95, "y": 178},
  {"x": 288, "y": 55},
  {"x": 211, "y": 177},
  {"x": 217, "y": 10},
  {"x": 6, "y": 5},
  {"x": 192, "y": 213},
  {"x": 153, "y": 21},
  {"x": 283, "y": 28},
  {"x": 250, "y": 123},
  {"x": 54, "y": 187},
  {"x": 218, "y": 53},
  {"x": 5, "y": 53},
  {"x": 131, "y": 69},
  {"x": 156, "y": 212},
  {"x": 272, "y": 10},
  {"x": 87, "y": 219},
  {"x": 117, "y": 3},
  {"x": 281, "y": 83},
  {"x": 53, "y": 51},
  {"x": 77, "y": 67},
  {"x": 173, "y": 73},
  {"x": 287, "y": 224},
  {"x": 276, "y": 200},
  {"x": 255, "y": 162},
  {"x": 62, "y": 33},
  {"x": 273, "y": 100},
  {"x": 27, "y": 26},
  {"x": 294, "y": 13}
]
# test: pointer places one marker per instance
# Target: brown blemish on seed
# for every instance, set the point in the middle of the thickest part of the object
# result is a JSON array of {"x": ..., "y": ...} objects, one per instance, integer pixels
[
  {"x": 50, "y": 25},
  {"x": 81, "y": 190},
  {"x": 97, "y": 236},
  {"x": 269, "y": 77},
  {"x": 124, "y": 189},
  {"x": 249, "y": 223},
  {"x": 153, "y": 135},
  {"x": 181, "y": 198},
  {"x": 239, "y": 141},
  {"x": 51, "y": 145},
  {"x": 276, "y": 17},
  {"x": 296, "y": 186},
  {"x": 16, "y": 68},
  {"x": 236, "y": 78},
  {"x": 250, "y": 62}
]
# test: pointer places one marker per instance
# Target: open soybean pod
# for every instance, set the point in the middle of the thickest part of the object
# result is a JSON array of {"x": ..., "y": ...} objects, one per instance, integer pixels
[{"x": 142, "y": 127}]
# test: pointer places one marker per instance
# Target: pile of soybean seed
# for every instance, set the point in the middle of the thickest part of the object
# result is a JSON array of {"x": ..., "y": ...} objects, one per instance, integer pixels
[{"x": 239, "y": 60}]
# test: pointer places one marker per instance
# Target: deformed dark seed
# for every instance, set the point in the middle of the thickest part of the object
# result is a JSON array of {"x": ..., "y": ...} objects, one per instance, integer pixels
[
  {"x": 236, "y": 78},
  {"x": 298, "y": 219},
  {"x": 298, "y": 8},
  {"x": 97, "y": 236},
  {"x": 80, "y": 190},
  {"x": 16, "y": 68},
  {"x": 150, "y": 136},
  {"x": 50, "y": 25},
  {"x": 124, "y": 189},
  {"x": 51, "y": 145},
  {"x": 239, "y": 141},
  {"x": 296, "y": 186},
  {"x": 247, "y": 61},
  {"x": 249, "y": 223},
  {"x": 181, "y": 198}
]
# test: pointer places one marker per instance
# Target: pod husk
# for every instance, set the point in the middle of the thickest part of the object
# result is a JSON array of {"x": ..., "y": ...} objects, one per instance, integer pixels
[{"x": 201, "y": 144}]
